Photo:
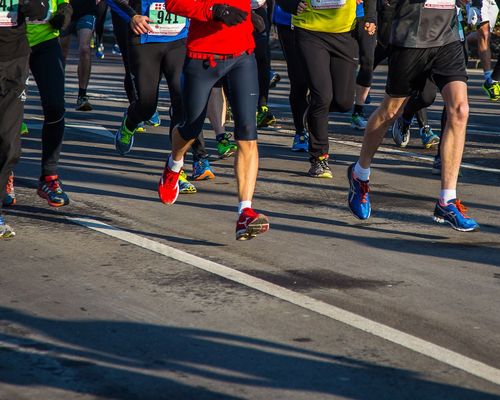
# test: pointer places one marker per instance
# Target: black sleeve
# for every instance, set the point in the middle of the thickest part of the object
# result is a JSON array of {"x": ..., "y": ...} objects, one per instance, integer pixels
[
  {"x": 289, "y": 6},
  {"x": 370, "y": 7},
  {"x": 122, "y": 9}
]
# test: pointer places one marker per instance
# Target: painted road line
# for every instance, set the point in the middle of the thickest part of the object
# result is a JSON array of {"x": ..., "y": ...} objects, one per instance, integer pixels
[{"x": 406, "y": 340}]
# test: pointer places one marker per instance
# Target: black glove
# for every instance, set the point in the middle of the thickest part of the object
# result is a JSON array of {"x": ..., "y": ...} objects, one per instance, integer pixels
[
  {"x": 34, "y": 10},
  {"x": 228, "y": 15},
  {"x": 62, "y": 17}
]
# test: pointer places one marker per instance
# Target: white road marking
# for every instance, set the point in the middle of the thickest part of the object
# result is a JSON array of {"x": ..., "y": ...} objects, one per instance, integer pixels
[{"x": 408, "y": 341}]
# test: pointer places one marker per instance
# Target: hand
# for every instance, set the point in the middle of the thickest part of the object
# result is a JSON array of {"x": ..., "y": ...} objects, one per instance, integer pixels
[
  {"x": 62, "y": 17},
  {"x": 258, "y": 22},
  {"x": 34, "y": 10},
  {"x": 371, "y": 28},
  {"x": 139, "y": 24},
  {"x": 301, "y": 7},
  {"x": 228, "y": 15},
  {"x": 358, "y": 2}
]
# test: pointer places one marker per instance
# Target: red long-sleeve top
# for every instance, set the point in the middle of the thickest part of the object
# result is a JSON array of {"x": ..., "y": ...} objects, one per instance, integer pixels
[{"x": 207, "y": 36}]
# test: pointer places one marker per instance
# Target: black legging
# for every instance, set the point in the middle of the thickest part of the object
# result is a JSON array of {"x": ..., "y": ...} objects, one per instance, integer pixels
[
  {"x": 496, "y": 72},
  {"x": 100, "y": 19},
  {"x": 329, "y": 64},
  {"x": 120, "y": 29},
  {"x": 366, "y": 46},
  {"x": 298, "y": 81},
  {"x": 263, "y": 57},
  {"x": 50, "y": 82}
]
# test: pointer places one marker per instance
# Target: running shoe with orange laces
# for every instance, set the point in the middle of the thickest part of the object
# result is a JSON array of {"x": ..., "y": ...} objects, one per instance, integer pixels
[
  {"x": 168, "y": 187},
  {"x": 454, "y": 213},
  {"x": 358, "y": 197},
  {"x": 250, "y": 224},
  {"x": 10, "y": 195},
  {"x": 49, "y": 188}
]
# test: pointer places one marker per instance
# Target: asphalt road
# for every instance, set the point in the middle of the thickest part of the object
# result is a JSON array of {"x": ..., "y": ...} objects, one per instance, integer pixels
[{"x": 117, "y": 296}]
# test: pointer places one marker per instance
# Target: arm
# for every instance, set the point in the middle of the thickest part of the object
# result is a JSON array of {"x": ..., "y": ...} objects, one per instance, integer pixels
[
  {"x": 122, "y": 9},
  {"x": 289, "y": 6},
  {"x": 370, "y": 7}
]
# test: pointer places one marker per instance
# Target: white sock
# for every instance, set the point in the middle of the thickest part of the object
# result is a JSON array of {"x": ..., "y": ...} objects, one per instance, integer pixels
[
  {"x": 175, "y": 166},
  {"x": 363, "y": 174},
  {"x": 244, "y": 204},
  {"x": 446, "y": 195}
]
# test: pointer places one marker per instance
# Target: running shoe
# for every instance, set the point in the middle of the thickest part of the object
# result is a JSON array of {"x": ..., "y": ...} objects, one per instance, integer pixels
[
  {"x": 49, "y": 188},
  {"x": 83, "y": 104},
  {"x": 141, "y": 128},
  {"x": 250, "y": 224},
  {"x": 454, "y": 213},
  {"x": 319, "y": 167},
  {"x": 401, "y": 132},
  {"x": 24, "y": 128},
  {"x": 265, "y": 117},
  {"x": 168, "y": 187},
  {"x": 436, "y": 167},
  {"x": 225, "y": 148},
  {"x": 155, "y": 120},
  {"x": 429, "y": 138},
  {"x": 116, "y": 50},
  {"x": 202, "y": 170},
  {"x": 301, "y": 141},
  {"x": 358, "y": 197},
  {"x": 6, "y": 232},
  {"x": 124, "y": 138},
  {"x": 274, "y": 79},
  {"x": 358, "y": 121},
  {"x": 492, "y": 90},
  {"x": 185, "y": 186},
  {"x": 100, "y": 51},
  {"x": 10, "y": 195}
]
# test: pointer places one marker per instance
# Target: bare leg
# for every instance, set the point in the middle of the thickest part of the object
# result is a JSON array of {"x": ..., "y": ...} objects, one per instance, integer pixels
[
  {"x": 84, "y": 64},
  {"x": 361, "y": 95},
  {"x": 453, "y": 138},
  {"x": 377, "y": 126},
  {"x": 216, "y": 110},
  {"x": 179, "y": 146},
  {"x": 246, "y": 166},
  {"x": 483, "y": 46},
  {"x": 65, "y": 43}
]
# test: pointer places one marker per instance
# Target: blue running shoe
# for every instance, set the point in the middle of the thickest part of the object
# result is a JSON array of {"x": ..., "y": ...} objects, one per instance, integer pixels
[
  {"x": 301, "y": 141},
  {"x": 358, "y": 197},
  {"x": 124, "y": 138},
  {"x": 429, "y": 138},
  {"x": 202, "y": 170},
  {"x": 155, "y": 120},
  {"x": 453, "y": 213}
]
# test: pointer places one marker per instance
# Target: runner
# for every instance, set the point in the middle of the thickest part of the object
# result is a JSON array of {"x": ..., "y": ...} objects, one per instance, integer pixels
[
  {"x": 220, "y": 44},
  {"x": 82, "y": 24},
  {"x": 298, "y": 81},
  {"x": 419, "y": 53},
  {"x": 324, "y": 38},
  {"x": 14, "y": 58},
  {"x": 366, "y": 46}
]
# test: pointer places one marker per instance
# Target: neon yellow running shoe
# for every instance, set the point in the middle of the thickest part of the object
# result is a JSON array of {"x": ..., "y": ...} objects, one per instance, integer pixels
[
  {"x": 185, "y": 186},
  {"x": 24, "y": 129}
]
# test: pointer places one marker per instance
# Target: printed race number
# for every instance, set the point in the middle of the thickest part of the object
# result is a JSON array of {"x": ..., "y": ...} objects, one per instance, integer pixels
[
  {"x": 8, "y": 13},
  {"x": 163, "y": 22}
]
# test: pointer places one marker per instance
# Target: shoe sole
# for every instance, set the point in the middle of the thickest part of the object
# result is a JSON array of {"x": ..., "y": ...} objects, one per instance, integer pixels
[
  {"x": 9, "y": 235},
  {"x": 203, "y": 177},
  {"x": 359, "y": 128},
  {"x": 298, "y": 150},
  {"x": 432, "y": 143},
  {"x": 84, "y": 107},
  {"x": 322, "y": 176},
  {"x": 442, "y": 221},
  {"x": 260, "y": 225},
  {"x": 50, "y": 203},
  {"x": 227, "y": 154}
]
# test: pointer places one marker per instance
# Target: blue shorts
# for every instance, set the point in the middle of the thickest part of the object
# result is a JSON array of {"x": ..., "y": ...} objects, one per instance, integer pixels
[
  {"x": 85, "y": 22},
  {"x": 240, "y": 74}
]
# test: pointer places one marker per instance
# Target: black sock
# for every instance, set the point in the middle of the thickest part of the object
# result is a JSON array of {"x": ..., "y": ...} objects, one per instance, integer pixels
[
  {"x": 358, "y": 109},
  {"x": 82, "y": 92}
]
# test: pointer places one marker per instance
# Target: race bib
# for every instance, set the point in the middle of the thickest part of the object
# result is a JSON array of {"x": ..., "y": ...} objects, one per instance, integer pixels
[
  {"x": 164, "y": 23},
  {"x": 442, "y": 4},
  {"x": 327, "y": 4},
  {"x": 8, "y": 13}
]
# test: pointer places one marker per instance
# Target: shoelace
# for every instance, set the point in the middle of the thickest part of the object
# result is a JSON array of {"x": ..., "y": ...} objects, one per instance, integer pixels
[
  {"x": 460, "y": 207},
  {"x": 10, "y": 184},
  {"x": 53, "y": 185},
  {"x": 365, "y": 189}
]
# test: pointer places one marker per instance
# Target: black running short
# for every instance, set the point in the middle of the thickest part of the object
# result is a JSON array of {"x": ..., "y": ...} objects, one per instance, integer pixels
[{"x": 409, "y": 68}]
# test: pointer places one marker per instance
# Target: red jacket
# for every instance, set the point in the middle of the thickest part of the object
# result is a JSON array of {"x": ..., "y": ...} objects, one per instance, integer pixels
[{"x": 208, "y": 36}]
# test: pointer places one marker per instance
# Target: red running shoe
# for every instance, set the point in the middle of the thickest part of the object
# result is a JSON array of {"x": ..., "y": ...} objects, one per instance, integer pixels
[
  {"x": 168, "y": 187},
  {"x": 250, "y": 224}
]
